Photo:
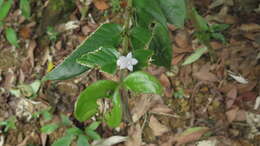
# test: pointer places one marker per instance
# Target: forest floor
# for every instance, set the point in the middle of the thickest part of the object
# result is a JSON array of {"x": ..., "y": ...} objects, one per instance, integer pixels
[{"x": 217, "y": 102}]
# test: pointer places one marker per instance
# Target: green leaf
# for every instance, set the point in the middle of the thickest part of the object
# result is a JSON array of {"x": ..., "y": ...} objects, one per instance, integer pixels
[
  {"x": 106, "y": 35},
  {"x": 1, "y": 24},
  {"x": 16, "y": 92},
  {"x": 143, "y": 57},
  {"x": 161, "y": 45},
  {"x": 200, "y": 23},
  {"x": 147, "y": 11},
  {"x": 219, "y": 27},
  {"x": 48, "y": 129},
  {"x": 4, "y": 9},
  {"x": 26, "y": 90},
  {"x": 174, "y": 11},
  {"x": 194, "y": 129},
  {"x": 104, "y": 58},
  {"x": 140, "y": 37},
  {"x": 9, "y": 123},
  {"x": 30, "y": 90},
  {"x": 35, "y": 86},
  {"x": 113, "y": 118},
  {"x": 141, "y": 82},
  {"x": 93, "y": 126},
  {"x": 93, "y": 135},
  {"x": 47, "y": 116},
  {"x": 195, "y": 56},
  {"x": 64, "y": 141},
  {"x": 74, "y": 131},
  {"x": 65, "y": 120},
  {"x": 219, "y": 37},
  {"x": 86, "y": 105},
  {"x": 203, "y": 36},
  {"x": 82, "y": 141},
  {"x": 1, "y": 2},
  {"x": 11, "y": 37},
  {"x": 25, "y": 8}
]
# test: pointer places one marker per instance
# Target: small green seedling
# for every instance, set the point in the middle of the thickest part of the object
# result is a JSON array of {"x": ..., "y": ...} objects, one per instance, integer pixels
[
  {"x": 206, "y": 32},
  {"x": 82, "y": 137},
  {"x": 11, "y": 37},
  {"x": 179, "y": 93},
  {"x": 52, "y": 34},
  {"x": 46, "y": 114},
  {"x": 8, "y": 124}
]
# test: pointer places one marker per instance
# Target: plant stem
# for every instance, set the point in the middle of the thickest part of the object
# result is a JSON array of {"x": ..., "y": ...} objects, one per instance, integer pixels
[
  {"x": 125, "y": 47},
  {"x": 127, "y": 27}
]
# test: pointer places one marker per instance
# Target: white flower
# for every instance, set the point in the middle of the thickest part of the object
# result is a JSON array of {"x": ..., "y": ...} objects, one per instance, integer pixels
[{"x": 126, "y": 62}]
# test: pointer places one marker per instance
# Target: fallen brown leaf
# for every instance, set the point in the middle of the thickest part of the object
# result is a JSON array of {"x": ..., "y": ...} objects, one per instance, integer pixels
[
  {"x": 101, "y": 4},
  {"x": 182, "y": 39},
  {"x": 190, "y": 135},
  {"x": 25, "y": 32},
  {"x": 205, "y": 75},
  {"x": 241, "y": 115},
  {"x": 231, "y": 97},
  {"x": 231, "y": 114},
  {"x": 177, "y": 59},
  {"x": 161, "y": 108},
  {"x": 134, "y": 136},
  {"x": 181, "y": 50},
  {"x": 30, "y": 53},
  {"x": 145, "y": 102},
  {"x": 216, "y": 45},
  {"x": 166, "y": 84},
  {"x": 248, "y": 96},
  {"x": 157, "y": 128},
  {"x": 252, "y": 27}
]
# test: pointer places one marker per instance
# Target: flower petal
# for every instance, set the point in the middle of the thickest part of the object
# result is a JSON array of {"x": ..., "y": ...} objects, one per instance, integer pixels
[
  {"x": 120, "y": 60},
  {"x": 134, "y": 61},
  {"x": 129, "y": 55},
  {"x": 130, "y": 68}
]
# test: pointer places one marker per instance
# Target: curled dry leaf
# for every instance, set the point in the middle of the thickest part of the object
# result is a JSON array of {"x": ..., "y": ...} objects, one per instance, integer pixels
[
  {"x": 109, "y": 141},
  {"x": 239, "y": 79},
  {"x": 135, "y": 136},
  {"x": 166, "y": 84},
  {"x": 2, "y": 140},
  {"x": 157, "y": 128},
  {"x": 257, "y": 103},
  {"x": 30, "y": 53},
  {"x": 190, "y": 135}
]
